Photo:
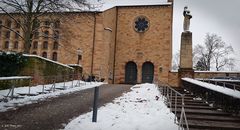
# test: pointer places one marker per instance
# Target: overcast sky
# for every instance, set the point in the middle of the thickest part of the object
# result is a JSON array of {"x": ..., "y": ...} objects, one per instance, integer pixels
[{"x": 213, "y": 16}]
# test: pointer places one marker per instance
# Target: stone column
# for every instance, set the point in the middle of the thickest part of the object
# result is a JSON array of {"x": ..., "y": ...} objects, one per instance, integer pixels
[
  {"x": 186, "y": 65},
  {"x": 186, "y": 50}
]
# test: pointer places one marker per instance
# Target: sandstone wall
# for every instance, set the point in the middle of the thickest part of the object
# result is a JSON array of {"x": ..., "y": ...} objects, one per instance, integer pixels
[{"x": 154, "y": 45}]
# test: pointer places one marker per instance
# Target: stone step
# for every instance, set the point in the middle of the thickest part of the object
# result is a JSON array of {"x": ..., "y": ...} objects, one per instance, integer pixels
[
  {"x": 195, "y": 107},
  {"x": 211, "y": 118},
  {"x": 193, "y": 103},
  {"x": 189, "y": 100},
  {"x": 199, "y": 129},
  {"x": 186, "y": 97},
  {"x": 203, "y": 112},
  {"x": 213, "y": 125}
]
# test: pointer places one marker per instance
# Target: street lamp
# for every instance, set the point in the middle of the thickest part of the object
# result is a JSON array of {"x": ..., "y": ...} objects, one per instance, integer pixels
[{"x": 79, "y": 53}]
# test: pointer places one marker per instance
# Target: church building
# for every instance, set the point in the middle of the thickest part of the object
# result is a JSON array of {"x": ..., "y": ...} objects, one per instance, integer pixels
[{"x": 122, "y": 44}]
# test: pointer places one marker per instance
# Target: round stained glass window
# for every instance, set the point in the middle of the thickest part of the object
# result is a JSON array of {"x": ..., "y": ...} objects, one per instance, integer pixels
[{"x": 141, "y": 24}]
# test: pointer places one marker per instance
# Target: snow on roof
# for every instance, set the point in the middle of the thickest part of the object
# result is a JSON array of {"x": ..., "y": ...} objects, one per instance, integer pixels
[
  {"x": 217, "y": 88},
  {"x": 107, "y": 4},
  {"x": 36, "y": 56},
  {"x": 15, "y": 77},
  {"x": 75, "y": 65},
  {"x": 174, "y": 71}
]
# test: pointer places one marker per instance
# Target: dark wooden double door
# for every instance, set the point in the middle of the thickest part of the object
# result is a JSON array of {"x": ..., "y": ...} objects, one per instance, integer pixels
[{"x": 131, "y": 73}]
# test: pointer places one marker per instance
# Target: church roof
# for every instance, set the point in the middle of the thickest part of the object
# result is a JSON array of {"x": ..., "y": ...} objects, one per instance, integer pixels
[{"x": 107, "y": 4}]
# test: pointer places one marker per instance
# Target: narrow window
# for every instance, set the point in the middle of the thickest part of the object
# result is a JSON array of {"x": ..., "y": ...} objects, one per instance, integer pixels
[
  {"x": 6, "y": 45},
  {"x": 46, "y": 34},
  {"x": 17, "y": 35},
  {"x": 7, "y": 35},
  {"x": 35, "y": 45},
  {"x": 55, "y": 45},
  {"x": 57, "y": 24},
  {"x": 16, "y": 45},
  {"x": 17, "y": 24},
  {"x": 36, "y": 35},
  {"x": 54, "y": 56},
  {"x": 37, "y": 23},
  {"x": 56, "y": 35},
  {"x": 44, "y": 54},
  {"x": 45, "y": 45},
  {"x": 8, "y": 23},
  {"x": 47, "y": 23}
]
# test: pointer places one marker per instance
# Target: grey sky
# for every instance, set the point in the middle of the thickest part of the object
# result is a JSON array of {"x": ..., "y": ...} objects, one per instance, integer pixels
[{"x": 214, "y": 16}]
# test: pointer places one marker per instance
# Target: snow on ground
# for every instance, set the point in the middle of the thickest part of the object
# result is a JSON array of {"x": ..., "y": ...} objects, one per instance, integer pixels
[
  {"x": 69, "y": 88},
  {"x": 217, "y": 88},
  {"x": 139, "y": 109}
]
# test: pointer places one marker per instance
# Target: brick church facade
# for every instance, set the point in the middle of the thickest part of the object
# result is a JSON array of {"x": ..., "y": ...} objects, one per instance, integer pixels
[{"x": 123, "y": 44}]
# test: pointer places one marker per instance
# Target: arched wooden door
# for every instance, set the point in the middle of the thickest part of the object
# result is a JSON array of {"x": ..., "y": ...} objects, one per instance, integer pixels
[
  {"x": 131, "y": 73},
  {"x": 147, "y": 72}
]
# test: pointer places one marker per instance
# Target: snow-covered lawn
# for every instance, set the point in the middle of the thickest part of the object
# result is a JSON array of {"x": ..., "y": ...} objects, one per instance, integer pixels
[
  {"x": 141, "y": 109},
  {"x": 69, "y": 88}
]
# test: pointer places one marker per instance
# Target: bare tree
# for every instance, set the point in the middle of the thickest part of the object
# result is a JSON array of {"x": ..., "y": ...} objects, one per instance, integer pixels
[
  {"x": 221, "y": 57},
  {"x": 27, "y": 15},
  {"x": 213, "y": 52}
]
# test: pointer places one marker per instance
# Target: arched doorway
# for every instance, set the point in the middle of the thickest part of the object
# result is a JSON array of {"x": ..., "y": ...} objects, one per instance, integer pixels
[
  {"x": 147, "y": 72},
  {"x": 131, "y": 73}
]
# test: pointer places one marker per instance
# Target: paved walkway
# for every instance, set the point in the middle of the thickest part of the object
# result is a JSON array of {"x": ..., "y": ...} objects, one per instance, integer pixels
[{"x": 53, "y": 113}]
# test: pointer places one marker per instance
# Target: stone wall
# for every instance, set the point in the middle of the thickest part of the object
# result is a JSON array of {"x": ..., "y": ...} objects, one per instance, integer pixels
[
  {"x": 205, "y": 74},
  {"x": 77, "y": 32},
  {"x": 110, "y": 23},
  {"x": 173, "y": 79},
  {"x": 39, "y": 68}
]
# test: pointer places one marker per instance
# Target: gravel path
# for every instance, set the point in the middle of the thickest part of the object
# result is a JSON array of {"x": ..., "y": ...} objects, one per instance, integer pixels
[{"x": 53, "y": 113}]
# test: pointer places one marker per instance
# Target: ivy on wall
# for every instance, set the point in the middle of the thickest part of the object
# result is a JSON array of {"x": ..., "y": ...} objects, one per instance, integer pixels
[{"x": 11, "y": 63}]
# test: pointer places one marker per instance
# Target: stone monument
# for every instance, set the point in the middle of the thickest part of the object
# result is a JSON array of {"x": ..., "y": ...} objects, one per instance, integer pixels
[
  {"x": 187, "y": 17},
  {"x": 186, "y": 65}
]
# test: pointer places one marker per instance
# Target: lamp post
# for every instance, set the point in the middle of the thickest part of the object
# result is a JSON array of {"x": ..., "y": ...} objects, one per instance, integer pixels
[{"x": 79, "y": 53}]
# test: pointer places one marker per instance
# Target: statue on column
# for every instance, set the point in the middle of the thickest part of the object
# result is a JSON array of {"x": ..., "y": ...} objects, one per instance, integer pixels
[{"x": 187, "y": 17}]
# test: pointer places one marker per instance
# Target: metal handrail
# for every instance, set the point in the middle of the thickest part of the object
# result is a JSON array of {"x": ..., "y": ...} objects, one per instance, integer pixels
[
  {"x": 14, "y": 79},
  {"x": 168, "y": 92},
  {"x": 44, "y": 82}
]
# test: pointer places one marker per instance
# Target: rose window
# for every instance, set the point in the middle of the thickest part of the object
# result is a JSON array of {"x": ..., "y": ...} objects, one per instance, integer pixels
[{"x": 141, "y": 24}]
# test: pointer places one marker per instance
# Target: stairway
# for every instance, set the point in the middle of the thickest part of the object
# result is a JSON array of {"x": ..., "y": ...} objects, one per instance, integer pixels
[{"x": 201, "y": 116}]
